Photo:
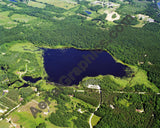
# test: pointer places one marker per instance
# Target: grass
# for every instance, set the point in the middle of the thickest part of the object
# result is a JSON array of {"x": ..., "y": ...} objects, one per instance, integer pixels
[
  {"x": 3, "y": 3},
  {"x": 22, "y": 18},
  {"x": 4, "y": 124},
  {"x": 6, "y": 21},
  {"x": 140, "y": 78},
  {"x": 62, "y": 4},
  {"x": 130, "y": 9},
  {"x": 95, "y": 120},
  {"x": 76, "y": 100},
  {"x": 23, "y": 47},
  {"x": 124, "y": 102},
  {"x": 50, "y": 125},
  {"x": 36, "y": 4},
  {"x": 26, "y": 119},
  {"x": 23, "y": 57},
  {"x": 114, "y": 16}
]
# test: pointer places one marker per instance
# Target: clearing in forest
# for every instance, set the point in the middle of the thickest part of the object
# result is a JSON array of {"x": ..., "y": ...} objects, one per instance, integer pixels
[{"x": 110, "y": 15}]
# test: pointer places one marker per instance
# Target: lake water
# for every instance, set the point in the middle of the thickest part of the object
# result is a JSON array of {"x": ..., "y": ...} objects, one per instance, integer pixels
[
  {"x": 158, "y": 4},
  {"x": 13, "y": 0},
  {"x": 70, "y": 66},
  {"x": 88, "y": 12},
  {"x": 33, "y": 80}
]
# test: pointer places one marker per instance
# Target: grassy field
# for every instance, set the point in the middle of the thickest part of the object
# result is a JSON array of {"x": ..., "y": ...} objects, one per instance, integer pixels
[
  {"x": 23, "y": 47},
  {"x": 36, "y": 4},
  {"x": 60, "y": 3},
  {"x": 6, "y": 21},
  {"x": 140, "y": 78},
  {"x": 124, "y": 102},
  {"x": 95, "y": 120},
  {"x": 3, "y": 3},
  {"x": 22, "y": 18},
  {"x": 24, "y": 116},
  {"x": 4, "y": 124},
  {"x": 130, "y": 9}
]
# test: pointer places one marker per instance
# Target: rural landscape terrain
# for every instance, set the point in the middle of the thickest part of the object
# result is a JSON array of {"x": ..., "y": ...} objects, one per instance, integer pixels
[{"x": 129, "y": 30}]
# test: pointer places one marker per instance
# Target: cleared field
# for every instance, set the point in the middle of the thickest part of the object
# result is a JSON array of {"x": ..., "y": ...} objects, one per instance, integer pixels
[
  {"x": 26, "y": 108},
  {"x": 95, "y": 120},
  {"x": 60, "y": 3},
  {"x": 22, "y": 18},
  {"x": 6, "y": 21},
  {"x": 129, "y": 9},
  {"x": 25, "y": 119},
  {"x": 112, "y": 16},
  {"x": 4, "y": 124},
  {"x": 140, "y": 78},
  {"x": 124, "y": 102},
  {"x": 7, "y": 102},
  {"x": 23, "y": 47},
  {"x": 3, "y": 3},
  {"x": 36, "y": 4}
]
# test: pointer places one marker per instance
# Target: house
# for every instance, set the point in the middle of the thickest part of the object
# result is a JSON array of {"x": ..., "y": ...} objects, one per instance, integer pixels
[
  {"x": 20, "y": 99},
  {"x": 111, "y": 106},
  {"x": 140, "y": 110},
  {"x": 94, "y": 86},
  {"x": 5, "y": 91},
  {"x": 71, "y": 95}
]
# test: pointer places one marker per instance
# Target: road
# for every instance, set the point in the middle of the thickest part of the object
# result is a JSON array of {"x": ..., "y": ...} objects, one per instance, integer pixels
[{"x": 90, "y": 119}]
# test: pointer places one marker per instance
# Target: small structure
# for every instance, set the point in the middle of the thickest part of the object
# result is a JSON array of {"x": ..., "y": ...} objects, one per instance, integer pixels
[
  {"x": 140, "y": 110},
  {"x": 45, "y": 113},
  {"x": 94, "y": 86},
  {"x": 34, "y": 89},
  {"x": 38, "y": 94},
  {"x": 111, "y": 106},
  {"x": 80, "y": 90},
  {"x": 97, "y": 87},
  {"x": 71, "y": 95},
  {"x": 20, "y": 99},
  {"x": 5, "y": 91},
  {"x": 2, "y": 111},
  {"x": 80, "y": 111},
  {"x": 140, "y": 62}
]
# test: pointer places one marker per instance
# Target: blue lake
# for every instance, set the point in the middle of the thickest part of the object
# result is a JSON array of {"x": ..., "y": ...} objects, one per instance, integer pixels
[
  {"x": 88, "y": 12},
  {"x": 70, "y": 66},
  {"x": 158, "y": 5},
  {"x": 12, "y": 0}
]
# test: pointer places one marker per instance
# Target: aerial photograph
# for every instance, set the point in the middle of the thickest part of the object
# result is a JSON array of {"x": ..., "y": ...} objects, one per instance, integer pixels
[{"x": 79, "y": 63}]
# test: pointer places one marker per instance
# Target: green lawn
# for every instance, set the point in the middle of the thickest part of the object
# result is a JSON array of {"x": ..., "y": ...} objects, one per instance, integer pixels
[
  {"x": 4, "y": 124},
  {"x": 36, "y": 4},
  {"x": 6, "y": 21},
  {"x": 95, "y": 120},
  {"x": 22, "y": 18}
]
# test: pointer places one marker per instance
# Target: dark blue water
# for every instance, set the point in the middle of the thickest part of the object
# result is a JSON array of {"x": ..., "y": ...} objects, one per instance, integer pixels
[
  {"x": 33, "y": 80},
  {"x": 88, "y": 12},
  {"x": 70, "y": 66},
  {"x": 158, "y": 5},
  {"x": 12, "y": 0}
]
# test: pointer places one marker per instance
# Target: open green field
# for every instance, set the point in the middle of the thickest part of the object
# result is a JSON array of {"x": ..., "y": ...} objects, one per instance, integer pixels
[
  {"x": 95, "y": 120},
  {"x": 6, "y": 21},
  {"x": 60, "y": 3},
  {"x": 4, "y": 124},
  {"x": 36, "y": 4},
  {"x": 22, "y": 18}
]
